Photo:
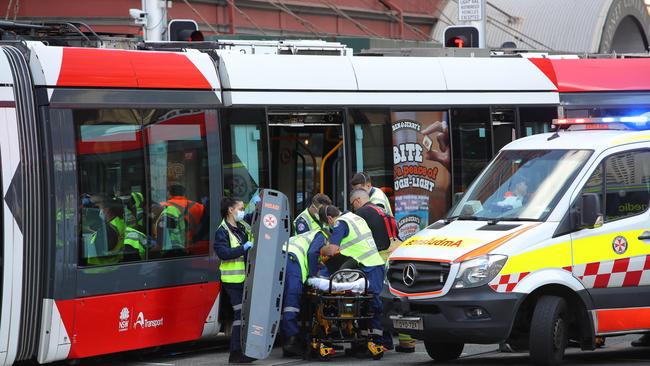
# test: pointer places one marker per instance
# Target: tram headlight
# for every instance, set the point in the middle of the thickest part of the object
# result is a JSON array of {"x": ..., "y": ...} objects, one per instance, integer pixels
[{"x": 479, "y": 271}]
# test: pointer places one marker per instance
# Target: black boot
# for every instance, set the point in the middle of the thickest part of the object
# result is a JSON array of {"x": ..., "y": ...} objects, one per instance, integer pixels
[
  {"x": 644, "y": 341},
  {"x": 293, "y": 347},
  {"x": 239, "y": 357}
]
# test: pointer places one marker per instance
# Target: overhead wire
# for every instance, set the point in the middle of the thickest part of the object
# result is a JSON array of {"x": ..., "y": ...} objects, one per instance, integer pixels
[{"x": 250, "y": 20}]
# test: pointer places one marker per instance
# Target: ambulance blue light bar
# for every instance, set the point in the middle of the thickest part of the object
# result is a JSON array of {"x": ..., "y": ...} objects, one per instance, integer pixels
[{"x": 602, "y": 123}]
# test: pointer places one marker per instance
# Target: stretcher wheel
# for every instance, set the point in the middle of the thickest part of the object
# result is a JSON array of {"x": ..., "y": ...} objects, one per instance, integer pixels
[
  {"x": 322, "y": 351},
  {"x": 376, "y": 350}
]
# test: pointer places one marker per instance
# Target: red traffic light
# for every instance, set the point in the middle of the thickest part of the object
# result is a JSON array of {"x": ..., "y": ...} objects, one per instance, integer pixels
[{"x": 461, "y": 36}]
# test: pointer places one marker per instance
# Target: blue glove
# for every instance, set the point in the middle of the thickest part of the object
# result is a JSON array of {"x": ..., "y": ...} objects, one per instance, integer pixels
[
  {"x": 255, "y": 200},
  {"x": 248, "y": 245}
]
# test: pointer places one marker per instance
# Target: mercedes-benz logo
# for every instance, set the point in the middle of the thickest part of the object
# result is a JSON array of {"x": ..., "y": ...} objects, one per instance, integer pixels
[{"x": 408, "y": 274}]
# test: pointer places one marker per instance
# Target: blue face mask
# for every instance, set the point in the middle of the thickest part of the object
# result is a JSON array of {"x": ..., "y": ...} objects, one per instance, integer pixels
[{"x": 239, "y": 216}]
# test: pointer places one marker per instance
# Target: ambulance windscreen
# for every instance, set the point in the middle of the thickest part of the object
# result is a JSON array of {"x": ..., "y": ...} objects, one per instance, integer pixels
[{"x": 521, "y": 185}]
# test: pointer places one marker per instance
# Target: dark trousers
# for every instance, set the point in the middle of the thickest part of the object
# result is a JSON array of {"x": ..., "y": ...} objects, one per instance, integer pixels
[
  {"x": 292, "y": 294},
  {"x": 235, "y": 292},
  {"x": 375, "y": 282}
]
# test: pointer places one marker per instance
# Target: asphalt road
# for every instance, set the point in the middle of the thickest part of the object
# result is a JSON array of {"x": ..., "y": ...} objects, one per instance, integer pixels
[{"x": 617, "y": 351}]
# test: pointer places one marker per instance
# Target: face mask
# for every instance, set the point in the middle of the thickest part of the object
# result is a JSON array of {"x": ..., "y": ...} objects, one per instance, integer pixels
[
  {"x": 239, "y": 216},
  {"x": 102, "y": 216}
]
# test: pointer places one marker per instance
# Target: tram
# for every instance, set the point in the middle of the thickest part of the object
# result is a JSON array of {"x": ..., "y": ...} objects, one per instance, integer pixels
[{"x": 81, "y": 125}]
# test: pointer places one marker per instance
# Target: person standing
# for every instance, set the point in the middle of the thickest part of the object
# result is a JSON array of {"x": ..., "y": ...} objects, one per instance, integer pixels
[
  {"x": 192, "y": 211},
  {"x": 377, "y": 196},
  {"x": 307, "y": 220},
  {"x": 383, "y": 230},
  {"x": 352, "y": 238},
  {"x": 232, "y": 241}
]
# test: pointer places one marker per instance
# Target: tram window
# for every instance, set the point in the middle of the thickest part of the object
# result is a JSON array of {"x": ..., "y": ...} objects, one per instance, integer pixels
[
  {"x": 178, "y": 182},
  {"x": 125, "y": 216},
  {"x": 536, "y": 120},
  {"x": 245, "y": 161},
  {"x": 111, "y": 178},
  {"x": 471, "y": 144},
  {"x": 372, "y": 134}
]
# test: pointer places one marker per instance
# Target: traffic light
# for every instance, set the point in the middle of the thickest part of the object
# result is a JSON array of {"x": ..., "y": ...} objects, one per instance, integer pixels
[
  {"x": 184, "y": 30},
  {"x": 460, "y": 36}
]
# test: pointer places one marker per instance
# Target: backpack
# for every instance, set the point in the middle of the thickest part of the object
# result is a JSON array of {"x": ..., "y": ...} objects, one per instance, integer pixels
[{"x": 389, "y": 221}]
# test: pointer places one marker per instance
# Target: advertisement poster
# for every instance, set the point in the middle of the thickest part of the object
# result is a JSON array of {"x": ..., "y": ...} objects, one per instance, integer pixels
[{"x": 421, "y": 170}]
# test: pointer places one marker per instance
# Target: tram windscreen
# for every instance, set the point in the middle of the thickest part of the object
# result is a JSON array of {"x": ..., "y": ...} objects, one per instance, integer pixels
[{"x": 143, "y": 179}]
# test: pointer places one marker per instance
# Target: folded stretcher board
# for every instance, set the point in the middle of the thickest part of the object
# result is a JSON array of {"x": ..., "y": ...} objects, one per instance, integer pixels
[{"x": 265, "y": 270}]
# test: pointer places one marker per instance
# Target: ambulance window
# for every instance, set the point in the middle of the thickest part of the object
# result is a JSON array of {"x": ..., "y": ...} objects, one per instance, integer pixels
[{"x": 627, "y": 184}]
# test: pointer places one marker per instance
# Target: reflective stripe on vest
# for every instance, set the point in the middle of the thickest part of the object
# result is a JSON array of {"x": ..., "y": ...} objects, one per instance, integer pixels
[
  {"x": 136, "y": 240},
  {"x": 234, "y": 270},
  {"x": 378, "y": 197},
  {"x": 311, "y": 223},
  {"x": 299, "y": 246},
  {"x": 359, "y": 243},
  {"x": 114, "y": 255}
]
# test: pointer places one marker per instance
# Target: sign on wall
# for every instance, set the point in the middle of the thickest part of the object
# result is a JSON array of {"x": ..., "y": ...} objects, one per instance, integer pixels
[{"x": 422, "y": 179}]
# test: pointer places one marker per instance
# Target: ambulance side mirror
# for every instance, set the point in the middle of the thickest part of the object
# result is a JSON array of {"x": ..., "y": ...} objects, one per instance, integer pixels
[{"x": 591, "y": 215}]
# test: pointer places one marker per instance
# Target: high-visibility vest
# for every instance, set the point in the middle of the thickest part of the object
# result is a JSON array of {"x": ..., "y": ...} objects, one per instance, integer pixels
[
  {"x": 192, "y": 213},
  {"x": 174, "y": 236},
  {"x": 378, "y": 197},
  {"x": 234, "y": 270},
  {"x": 359, "y": 243},
  {"x": 137, "y": 240},
  {"x": 299, "y": 247},
  {"x": 138, "y": 198},
  {"x": 114, "y": 255},
  {"x": 311, "y": 223}
]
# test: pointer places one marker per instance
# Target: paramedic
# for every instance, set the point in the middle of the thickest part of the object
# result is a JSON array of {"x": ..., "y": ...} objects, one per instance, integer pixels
[
  {"x": 308, "y": 218},
  {"x": 377, "y": 196}
]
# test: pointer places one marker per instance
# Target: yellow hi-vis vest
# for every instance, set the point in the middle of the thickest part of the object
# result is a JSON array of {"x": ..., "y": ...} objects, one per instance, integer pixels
[
  {"x": 299, "y": 246},
  {"x": 234, "y": 270},
  {"x": 378, "y": 197},
  {"x": 359, "y": 243},
  {"x": 311, "y": 223},
  {"x": 114, "y": 255},
  {"x": 137, "y": 240}
]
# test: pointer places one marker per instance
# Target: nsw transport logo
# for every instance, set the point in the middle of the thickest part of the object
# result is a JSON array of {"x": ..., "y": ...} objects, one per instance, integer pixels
[{"x": 123, "y": 324}]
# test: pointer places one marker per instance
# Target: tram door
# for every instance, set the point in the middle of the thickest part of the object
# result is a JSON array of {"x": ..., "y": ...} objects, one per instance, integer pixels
[{"x": 307, "y": 157}]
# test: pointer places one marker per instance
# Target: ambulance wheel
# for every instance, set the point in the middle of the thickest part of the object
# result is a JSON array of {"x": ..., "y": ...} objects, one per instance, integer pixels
[
  {"x": 443, "y": 351},
  {"x": 549, "y": 333}
]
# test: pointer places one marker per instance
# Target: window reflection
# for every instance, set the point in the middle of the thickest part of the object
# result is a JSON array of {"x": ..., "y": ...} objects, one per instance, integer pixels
[{"x": 144, "y": 184}]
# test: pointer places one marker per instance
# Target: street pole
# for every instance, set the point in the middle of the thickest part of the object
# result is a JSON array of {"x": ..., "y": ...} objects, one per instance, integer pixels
[
  {"x": 156, "y": 19},
  {"x": 481, "y": 26}
]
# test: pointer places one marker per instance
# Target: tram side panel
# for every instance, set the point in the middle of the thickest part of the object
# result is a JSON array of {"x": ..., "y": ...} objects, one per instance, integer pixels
[
  {"x": 11, "y": 238},
  {"x": 92, "y": 309}
]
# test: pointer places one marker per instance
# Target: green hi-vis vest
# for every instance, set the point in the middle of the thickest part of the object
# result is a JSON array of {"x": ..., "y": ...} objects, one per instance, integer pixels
[
  {"x": 136, "y": 240},
  {"x": 378, "y": 197},
  {"x": 234, "y": 270},
  {"x": 311, "y": 223},
  {"x": 359, "y": 243},
  {"x": 175, "y": 228},
  {"x": 299, "y": 246},
  {"x": 114, "y": 255},
  {"x": 138, "y": 198}
]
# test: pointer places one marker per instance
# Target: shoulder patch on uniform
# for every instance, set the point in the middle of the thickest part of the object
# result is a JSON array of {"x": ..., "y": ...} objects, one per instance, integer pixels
[
  {"x": 337, "y": 224},
  {"x": 301, "y": 226}
]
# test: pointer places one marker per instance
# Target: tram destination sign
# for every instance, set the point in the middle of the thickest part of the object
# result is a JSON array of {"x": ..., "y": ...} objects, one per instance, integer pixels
[{"x": 469, "y": 10}]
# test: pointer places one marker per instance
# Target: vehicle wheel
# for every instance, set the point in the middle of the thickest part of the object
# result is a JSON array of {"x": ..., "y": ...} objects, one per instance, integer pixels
[
  {"x": 444, "y": 351},
  {"x": 549, "y": 331}
]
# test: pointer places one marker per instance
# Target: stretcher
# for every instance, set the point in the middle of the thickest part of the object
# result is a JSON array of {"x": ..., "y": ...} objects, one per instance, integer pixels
[{"x": 337, "y": 309}]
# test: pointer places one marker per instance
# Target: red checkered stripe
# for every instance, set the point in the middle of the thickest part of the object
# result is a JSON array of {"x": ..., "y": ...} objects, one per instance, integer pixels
[
  {"x": 622, "y": 272},
  {"x": 506, "y": 283}
]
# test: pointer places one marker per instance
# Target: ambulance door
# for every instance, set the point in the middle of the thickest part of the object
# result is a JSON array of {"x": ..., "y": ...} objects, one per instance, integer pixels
[{"x": 612, "y": 261}]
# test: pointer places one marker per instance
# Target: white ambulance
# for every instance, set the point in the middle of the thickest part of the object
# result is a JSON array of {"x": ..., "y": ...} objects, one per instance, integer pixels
[{"x": 550, "y": 246}]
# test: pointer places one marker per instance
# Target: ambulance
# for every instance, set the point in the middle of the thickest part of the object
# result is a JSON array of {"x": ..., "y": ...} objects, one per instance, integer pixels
[{"x": 548, "y": 248}]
